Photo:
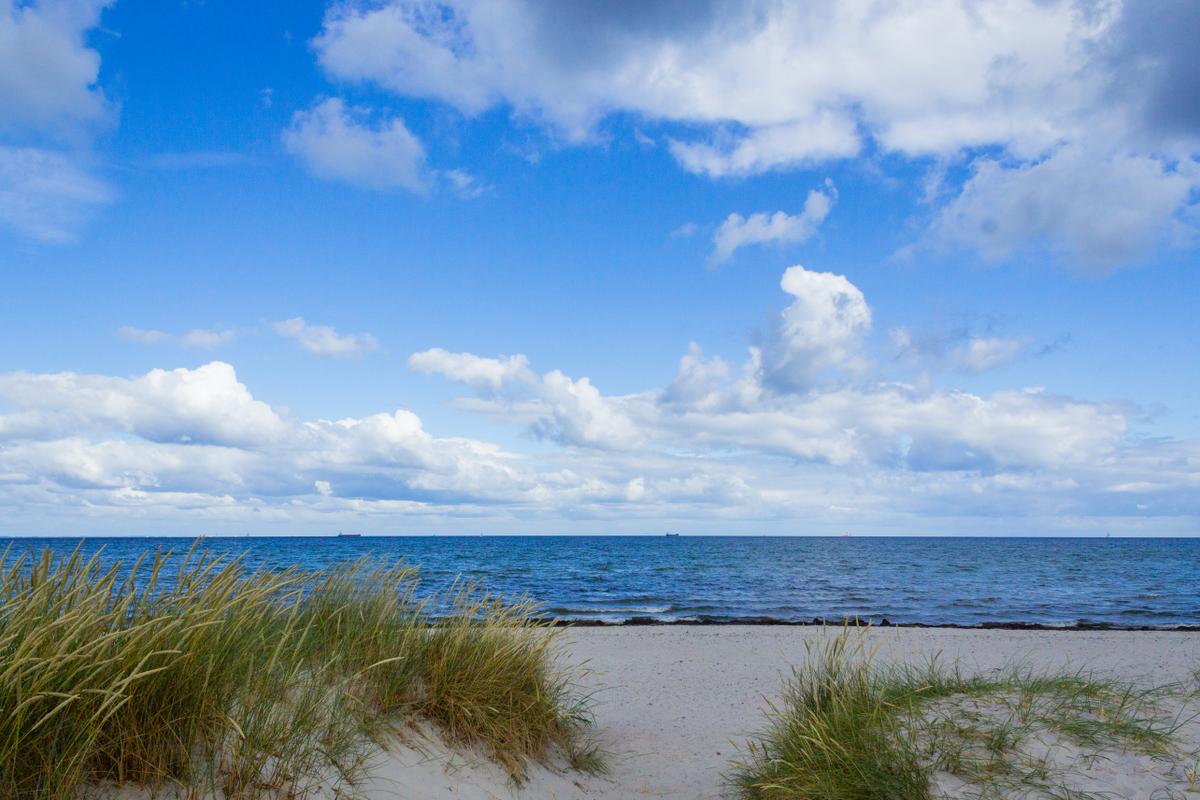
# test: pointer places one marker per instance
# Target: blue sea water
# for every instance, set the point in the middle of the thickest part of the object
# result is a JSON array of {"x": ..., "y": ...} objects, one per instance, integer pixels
[{"x": 961, "y": 581}]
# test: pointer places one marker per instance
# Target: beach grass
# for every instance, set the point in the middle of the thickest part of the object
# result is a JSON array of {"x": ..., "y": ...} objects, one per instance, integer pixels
[
  {"x": 196, "y": 672},
  {"x": 847, "y": 728}
]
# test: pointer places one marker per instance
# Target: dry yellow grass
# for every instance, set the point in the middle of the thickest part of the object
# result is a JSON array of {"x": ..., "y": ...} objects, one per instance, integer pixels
[{"x": 253, "y": 682}]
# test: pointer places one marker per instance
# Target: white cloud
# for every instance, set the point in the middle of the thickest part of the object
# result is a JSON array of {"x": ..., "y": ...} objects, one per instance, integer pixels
[
  {"x": 47, "y": 73},
  {"x": 324, "y": 340},
  {"x": 685, "y": 231},
  {"x": 776, "y": 404},
  {"x": 404, "y": 47},
  {"x": 487, "y": 375},
  {"x": 796, "y": 75},
  {"x": 738, "y": 231},
  {"x": 711, "y": 410},
  {"x": 132, "y": 333},
  {"x": 45, "y": 195},
  {"x": 957, "y": 353},
  {"x": 822, "y": 327},
  {"x": 204, "y": 405},
  {"x": 1037, "y": 94},
  {"x": 49, "y": 109},
  {"x": 695, "y": 380},
  {"x": 1103, "y": 211},
  {"x": 565, "y": 410},
  {"x": 171, "y": 450},
  {"x": 465, "y": 184},
  {"x": 983, "y": 354},
  {"x": 340, "y": 143},
  {"x": 579, "y": 414},
  {"x": 194, "y": 443},
  {"x": 825, "y": 137},
  {"x": 200, "y": 338},
  {"x": 207, "y": 338}
]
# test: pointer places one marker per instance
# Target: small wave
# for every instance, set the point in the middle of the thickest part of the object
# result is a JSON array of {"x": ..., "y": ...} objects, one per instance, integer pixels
[{"x": 607, "y": 610}]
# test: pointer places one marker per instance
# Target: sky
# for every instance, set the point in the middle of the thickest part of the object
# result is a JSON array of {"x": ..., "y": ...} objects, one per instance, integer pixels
[{"x": 922, "y": 268}]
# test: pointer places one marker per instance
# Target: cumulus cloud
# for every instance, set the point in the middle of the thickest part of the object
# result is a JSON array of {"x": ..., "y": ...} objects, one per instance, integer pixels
[
  {"x": 738, "y": 231},
  {"x": 579, "y": 414},
  {"x": 822, "y": 327},
  {"x": 711, "y": 409},
  {"x": 1033, "y": 94},
  {"x": 340, "y": 143},
  {"x": 695, "y": 379},
  {"x": 717, "y": 449},
  {"x": 486, "y": 375},
  {"x": 775, "y": 404},
  {"x": 197, "y": 438},
  {"x": 324, "y": 340},
  {"x": 202, "y": 338},
  {"x": 205, "y": 405},
  {"x": 188, "y": 444}
]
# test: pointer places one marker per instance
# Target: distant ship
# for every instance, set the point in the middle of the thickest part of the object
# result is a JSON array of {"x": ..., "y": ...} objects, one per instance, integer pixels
[
  {"x": 672, "y": 534},
  {"x": 348, "y": 535}
]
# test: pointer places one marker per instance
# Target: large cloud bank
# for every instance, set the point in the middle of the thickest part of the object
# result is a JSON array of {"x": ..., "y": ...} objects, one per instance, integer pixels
[
  {"x": 805, "y": 434},
  {"x": 1074, "y": 122}
]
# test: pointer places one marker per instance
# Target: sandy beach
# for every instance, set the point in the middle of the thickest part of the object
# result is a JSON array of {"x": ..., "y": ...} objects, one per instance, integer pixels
[
  {"x": 528, "y": 400},
  {"x": 675, "y": 703}
]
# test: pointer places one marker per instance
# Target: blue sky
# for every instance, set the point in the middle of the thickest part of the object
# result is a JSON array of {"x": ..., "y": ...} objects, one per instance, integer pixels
[{"x": 923, "y": 268}]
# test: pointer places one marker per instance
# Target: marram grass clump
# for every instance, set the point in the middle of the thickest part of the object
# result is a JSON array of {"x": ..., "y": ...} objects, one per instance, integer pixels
[
  {"x": 835, "y": 735},
  {"x": 847, "y": 728},
  {"x": 254, "y": 684}
]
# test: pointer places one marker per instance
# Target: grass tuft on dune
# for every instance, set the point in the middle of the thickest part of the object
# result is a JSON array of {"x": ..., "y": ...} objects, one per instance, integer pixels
[
  {"x": 251, "y": 684},
  {"x": 835, "y": 735},
  {"x": 847, "y": 729}
]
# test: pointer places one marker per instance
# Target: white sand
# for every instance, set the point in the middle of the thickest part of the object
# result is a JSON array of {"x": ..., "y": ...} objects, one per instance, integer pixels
[
  {"x": 678, "y": 700},
  {"x": 684, "y": 696}
]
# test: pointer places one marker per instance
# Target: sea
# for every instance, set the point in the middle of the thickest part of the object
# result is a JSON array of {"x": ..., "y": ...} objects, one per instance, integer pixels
[{"x": 1050, "y": 582}]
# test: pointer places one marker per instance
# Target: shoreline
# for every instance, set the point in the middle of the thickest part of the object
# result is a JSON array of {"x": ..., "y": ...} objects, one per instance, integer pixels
[
  {"x": 818, "y": 622},
  {"x": 1014, "y": 584}
]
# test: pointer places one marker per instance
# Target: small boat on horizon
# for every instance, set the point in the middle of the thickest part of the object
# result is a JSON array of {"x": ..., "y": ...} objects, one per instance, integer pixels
[
  {"x": 348, "y": 535},
  {"x": 672, "y": 534}
]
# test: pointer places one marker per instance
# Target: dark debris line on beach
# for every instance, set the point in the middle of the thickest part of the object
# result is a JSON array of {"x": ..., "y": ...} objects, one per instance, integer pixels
[{"x": 853, "y": 622}]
